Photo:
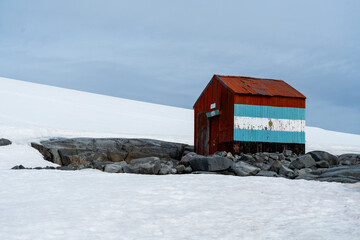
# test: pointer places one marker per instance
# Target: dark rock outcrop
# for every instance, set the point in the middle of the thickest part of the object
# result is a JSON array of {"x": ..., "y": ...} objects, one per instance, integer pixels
[
  {"x": 4, "y": 142},
  {"x": 324, "y": 156},
  {"x": 304, "y": 161},
  {"x": 212, "y": 163},
  {"x": 244, "y": 169},
  {"x": 344, "y": 174},
  {"x": 83, "y": 150},
  {"x": 349, "y": 159},
  {"x": 151, "y": 165}
]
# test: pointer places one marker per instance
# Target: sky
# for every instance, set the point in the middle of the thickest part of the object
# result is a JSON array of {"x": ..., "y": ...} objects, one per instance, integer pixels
[{"x": 167, "y": 51}]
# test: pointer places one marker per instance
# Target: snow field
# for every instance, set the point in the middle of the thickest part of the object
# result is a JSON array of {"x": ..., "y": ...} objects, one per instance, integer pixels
[{"x": 89, "y": 204}]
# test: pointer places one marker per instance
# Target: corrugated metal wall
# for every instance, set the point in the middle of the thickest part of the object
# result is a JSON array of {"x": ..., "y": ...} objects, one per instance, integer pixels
[
  {"x": 247, "y": 122},
  {"x": 206, "y": 141}
]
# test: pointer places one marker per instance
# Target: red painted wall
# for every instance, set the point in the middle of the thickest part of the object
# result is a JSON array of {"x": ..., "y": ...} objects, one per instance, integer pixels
[
  {"x": 270, "y": 101},
  {"x": 206, "y": 141}
]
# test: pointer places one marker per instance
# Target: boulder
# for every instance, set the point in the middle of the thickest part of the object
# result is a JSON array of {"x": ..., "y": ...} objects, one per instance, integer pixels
[
  {"x": 97, "y": 165},
  {"x": 349, "y": 159},
  {"x": 180, "y": 169},
  {"x": 244, "y": 169},
  {"x": 165, "y": 169},
  {"x": 274, "y": 156},
  {"x": 221, "y": 154},
  {"x": 4, "y": 142},
  {"x": 287, "y": 153},
  {"x": 18, "y": 167},
  {"x": 275, "y": 166},
  {"x": 322, "y": 164},
  {"x": 115, "y": 167},
  {"x": 281, "y": 156},
  {"x": 64, "y": 151},
  {"x": 344, "y": 174},
  {"x": 321, "y": 155},
  {"x": 287, "y": 172},
  {"x": 302, "y": 171},
  {"x": 188, "y": 169},
  {"x": 150, "y": 165},
  {"x": 304, "y": 161},
  {"x": 207, "y": 163},
  {"x": 247, "y": 157}
]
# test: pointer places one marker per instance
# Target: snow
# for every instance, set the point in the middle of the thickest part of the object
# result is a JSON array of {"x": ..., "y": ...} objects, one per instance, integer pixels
[{"x": 90, "y": 204}]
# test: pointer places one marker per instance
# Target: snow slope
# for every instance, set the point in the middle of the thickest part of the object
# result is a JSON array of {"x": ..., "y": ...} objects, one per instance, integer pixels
[
  {"x": 32, "y": 111},
  {"x": 89, "y": 204}
]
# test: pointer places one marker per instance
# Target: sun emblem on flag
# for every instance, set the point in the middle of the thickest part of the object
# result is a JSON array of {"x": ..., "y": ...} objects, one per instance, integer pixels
[{"x": 270, "y": 123}]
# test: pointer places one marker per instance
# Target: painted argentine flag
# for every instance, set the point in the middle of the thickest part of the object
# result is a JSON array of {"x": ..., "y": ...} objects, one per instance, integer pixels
[{"x": 269, "y": 124}]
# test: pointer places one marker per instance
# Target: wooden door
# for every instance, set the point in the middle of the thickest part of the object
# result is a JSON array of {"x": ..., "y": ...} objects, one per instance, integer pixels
[{"x": 214, "y": 134}]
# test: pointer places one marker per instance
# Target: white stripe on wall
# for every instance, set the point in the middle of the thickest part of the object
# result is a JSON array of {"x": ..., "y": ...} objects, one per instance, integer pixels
[{"x": 251, "y": 123}]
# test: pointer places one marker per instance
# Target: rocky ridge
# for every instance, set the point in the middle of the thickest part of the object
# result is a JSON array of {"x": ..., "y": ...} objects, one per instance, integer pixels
[{"x": 147, "y": 156}]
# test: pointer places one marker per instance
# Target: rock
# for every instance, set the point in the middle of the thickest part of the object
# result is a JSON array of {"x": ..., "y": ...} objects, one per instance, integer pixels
[
  {"x": 18, "y": 167},
  {"x": 180, "y": 169},
  {"x": 275, "y": 166},
  {"x": 65, "y": 151},
  {"x": 165, "y": 169},
  {"x": 285, "y": 163},
  {"x": 349, "y": 159},
  {"x": 229, "y": 155},
  {"x": 267, "y": 174},
  {"x": 244, "y": 169},
  {"x": 304, "y": 161},
  {"x": 150, "y": 165},
  {"x": 287, "y": 153},
  {"x": 322, "y": 164},
  {"x": 247, "y": 157},
  {"x": 274, "y": 156},
  {"x": 99, "y": 165},
  {"x": 69, "y": 167},
  {"x": 259, "y": 158},
  {"x": 308, "y": 176},
  {"x": 321, "y": 155},
  {"x": 173, "y": 171},
  {"x": 115, "y": 167},
  {"x": 4, "y": 142},
  {"x": 344, "y": 174},
  {"x": 302, "y": 171},
  {"x": 287, "y": 172},
  {"x": 281, "y": 156},
  {"x": 221, "y": 154},
  {"x": 188, "y": 169},
  {"x": 209, "y": 163}
]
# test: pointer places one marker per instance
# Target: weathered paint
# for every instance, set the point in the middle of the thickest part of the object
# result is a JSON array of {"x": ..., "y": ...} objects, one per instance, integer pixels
[
  {"x": 269, "y": 124},
  {"x": 269, "y": 101},
  {"x": 253, "y": 147},
  {"x": 248, "y": 135},
  {"x": 215, "y": 128},
  {"x": 260, "y": 86},
  {"x": 269, "y": 112},
  {"x": 213, "y": 113},
  {"x": 216, "y": 94}
]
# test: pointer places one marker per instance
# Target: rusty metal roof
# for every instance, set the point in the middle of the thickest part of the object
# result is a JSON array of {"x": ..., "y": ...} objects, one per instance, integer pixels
[{"x": 259, "y": 86}]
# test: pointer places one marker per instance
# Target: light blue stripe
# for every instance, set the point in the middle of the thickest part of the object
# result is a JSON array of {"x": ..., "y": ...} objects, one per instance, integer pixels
[
  {"x": 268, "y": 136},
  {"x": 243, "y": 110}
]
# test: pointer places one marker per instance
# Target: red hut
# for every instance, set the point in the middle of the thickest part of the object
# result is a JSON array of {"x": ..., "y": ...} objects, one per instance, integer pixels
[{"x": 245, "y": 114}]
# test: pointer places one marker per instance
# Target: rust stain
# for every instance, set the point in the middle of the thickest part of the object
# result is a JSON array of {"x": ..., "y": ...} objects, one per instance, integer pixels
[{"x": 260, "y": 86}]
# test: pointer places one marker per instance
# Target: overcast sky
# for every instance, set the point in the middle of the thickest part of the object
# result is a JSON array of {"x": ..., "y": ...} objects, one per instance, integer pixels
[{"x": 167, "y": 51}]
